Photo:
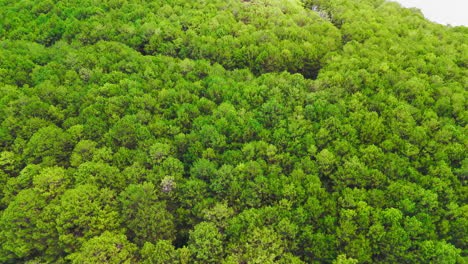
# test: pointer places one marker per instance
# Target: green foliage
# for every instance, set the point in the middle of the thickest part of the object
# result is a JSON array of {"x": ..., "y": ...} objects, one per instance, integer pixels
[
  {"x": 164, "y": 252},
  {"x": 49, "y": 145},
  {"x": 106, "y": 248},
  {"x": 251, "y": 131},
  {"x": 207, "y": 243},
  {"x": 145, "y": 215},
  {"x": 23, "y": 233},
  {"x": 342, "y": 259},
  {"x": 84, "y": 212}
]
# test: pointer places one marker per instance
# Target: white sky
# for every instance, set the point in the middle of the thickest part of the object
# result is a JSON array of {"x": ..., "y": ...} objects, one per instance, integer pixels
[{"x": 453, "y": 12}]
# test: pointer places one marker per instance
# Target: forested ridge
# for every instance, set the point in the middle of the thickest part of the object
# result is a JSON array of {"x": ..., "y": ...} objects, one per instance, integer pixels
[{"x": 231, "y": 131}]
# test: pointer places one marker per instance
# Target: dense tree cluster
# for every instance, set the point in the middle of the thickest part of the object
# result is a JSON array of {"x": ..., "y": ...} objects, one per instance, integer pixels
[{"x": 238, "y": 131}]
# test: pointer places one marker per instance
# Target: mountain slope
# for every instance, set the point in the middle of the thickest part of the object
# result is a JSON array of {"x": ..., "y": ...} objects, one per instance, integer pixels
[{"x": 231, "y": 132}]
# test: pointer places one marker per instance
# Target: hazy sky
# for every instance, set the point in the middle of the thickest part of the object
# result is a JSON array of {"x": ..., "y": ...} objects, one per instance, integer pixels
[{"x": 453, "y": 12}]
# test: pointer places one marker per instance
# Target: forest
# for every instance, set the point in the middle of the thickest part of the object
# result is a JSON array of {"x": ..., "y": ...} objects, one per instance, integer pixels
[{"x": 231, "y": 132}]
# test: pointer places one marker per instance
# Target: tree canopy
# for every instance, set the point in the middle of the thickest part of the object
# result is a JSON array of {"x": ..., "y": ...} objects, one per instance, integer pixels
[{"x": 234, "y": 131}]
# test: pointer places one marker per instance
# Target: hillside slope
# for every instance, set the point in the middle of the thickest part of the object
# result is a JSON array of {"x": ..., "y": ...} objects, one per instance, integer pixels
[{"x": 238, "y": 131}]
